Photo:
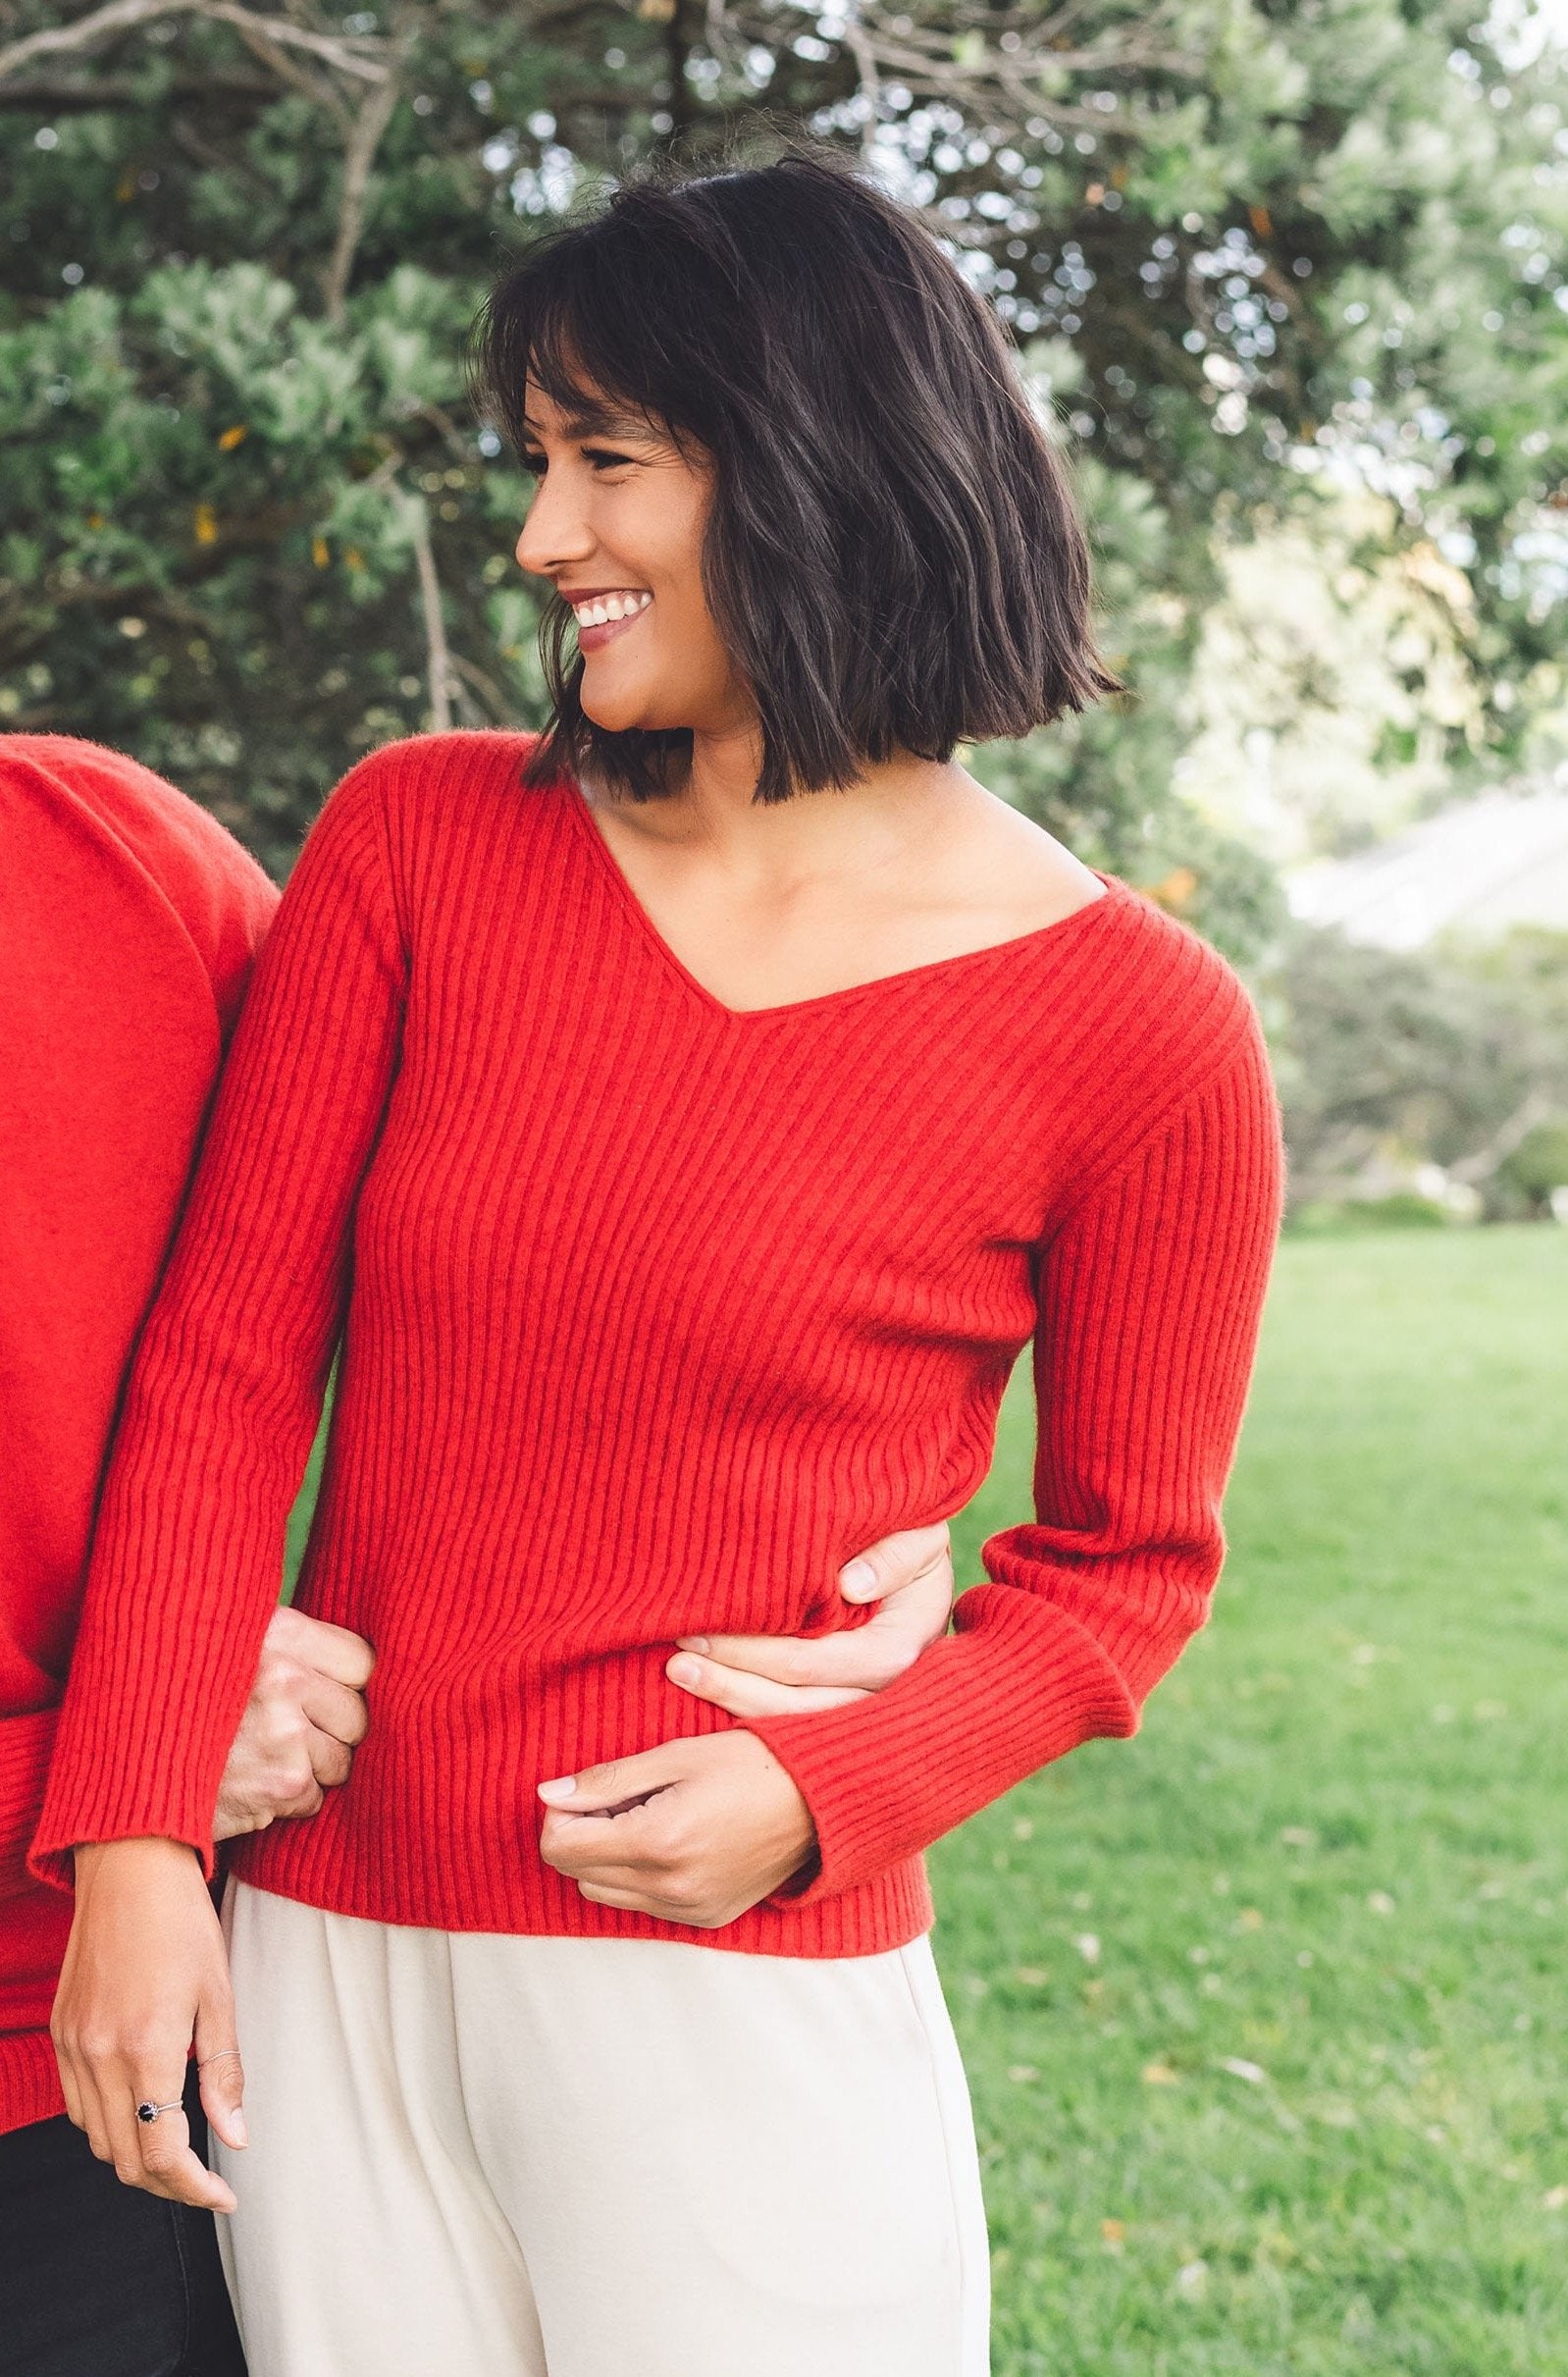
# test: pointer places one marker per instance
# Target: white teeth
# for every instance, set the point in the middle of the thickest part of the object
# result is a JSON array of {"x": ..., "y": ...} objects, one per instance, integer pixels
[{"x": 604, "y": 609}]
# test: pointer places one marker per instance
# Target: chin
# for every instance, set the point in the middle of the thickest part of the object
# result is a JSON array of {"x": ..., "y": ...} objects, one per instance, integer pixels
[{"x": 624, "y": 717}]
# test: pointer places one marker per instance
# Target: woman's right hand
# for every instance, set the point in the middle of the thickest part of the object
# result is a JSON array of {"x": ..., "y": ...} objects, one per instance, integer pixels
[{"x": 146, "y": 1973}]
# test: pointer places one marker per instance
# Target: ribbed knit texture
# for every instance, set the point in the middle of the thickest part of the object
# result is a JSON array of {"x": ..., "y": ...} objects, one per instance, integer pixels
[
  {"x": 655, "y": 1314},
  {"x": 129, "y": 919}
]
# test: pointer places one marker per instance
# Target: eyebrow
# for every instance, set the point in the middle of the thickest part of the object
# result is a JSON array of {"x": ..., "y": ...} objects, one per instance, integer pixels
[{"x": 598, "y": 422}]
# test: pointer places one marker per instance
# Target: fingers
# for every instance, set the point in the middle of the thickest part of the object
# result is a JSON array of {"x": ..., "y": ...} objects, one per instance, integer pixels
[
  {"x": 71, "y": 2085},
  {"x": 619, "y": 1784},
  {"x": 330, "y": 1650},
  {"x": 907, "y": 1623},
  {"x": 223, "y": 2091},
  {"x": 155, "y": 2155},
  {"x": 746, "y": 1695},
  {"x": 620, "y": 1861},
  {"x": 331, "y": 1764},
  {"x": 220, "y": 2067},
  {"x": 860, "y": 1658},
  {"x": 895, "y": 1562},
  {"x": 143, "y": 1972},
  {"x": 631, "y": 1902},
  {"x": 730, "y": 1827},
  {"x": 911, "y": 1575},
  {"x": 581, "y": 1844},
  {"x": 299, "y": 1732},
  {"x": 781, "y": 1659},
  {"x": 335, "y": 1708},
  {"x": 81, "y": 2099},
  {"x": 165, "y": 2164}
]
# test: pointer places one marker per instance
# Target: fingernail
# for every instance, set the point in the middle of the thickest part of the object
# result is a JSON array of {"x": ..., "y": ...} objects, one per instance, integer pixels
[
  {"x": 684, "y": 1672},
  {"x": 562, "y": 1788},
  {"x": 857, "y": 1582},
  {"x": 694, "y": 1642},
  {"x": 238, "y": 2134}
]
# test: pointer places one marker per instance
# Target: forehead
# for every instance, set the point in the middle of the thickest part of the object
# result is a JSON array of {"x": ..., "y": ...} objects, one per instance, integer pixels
[{"x": 587, "y": 415}]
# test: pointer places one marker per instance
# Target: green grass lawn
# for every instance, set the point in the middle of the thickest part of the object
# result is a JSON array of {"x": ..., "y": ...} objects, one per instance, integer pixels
[{"x": 1265, "y": 2012}]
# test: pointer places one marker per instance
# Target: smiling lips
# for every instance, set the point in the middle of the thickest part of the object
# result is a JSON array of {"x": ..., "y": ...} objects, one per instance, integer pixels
[{"x": 602, "y": 616}]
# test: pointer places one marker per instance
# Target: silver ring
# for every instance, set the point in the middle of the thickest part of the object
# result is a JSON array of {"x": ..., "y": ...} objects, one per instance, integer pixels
[
  {"x": 150, "y": 2112},
  {"x": 222, "y": 2056}
]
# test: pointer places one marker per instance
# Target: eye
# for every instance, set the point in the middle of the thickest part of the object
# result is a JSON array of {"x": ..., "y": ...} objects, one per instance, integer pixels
[
  {"x": 534, "y": 464},
  {"x": 603, "y": 459}
]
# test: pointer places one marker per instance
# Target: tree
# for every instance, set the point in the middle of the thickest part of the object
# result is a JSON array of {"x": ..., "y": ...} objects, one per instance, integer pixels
[
  {"x": 249, "y": 526},
  {"x": 1454, "y": 1055}
]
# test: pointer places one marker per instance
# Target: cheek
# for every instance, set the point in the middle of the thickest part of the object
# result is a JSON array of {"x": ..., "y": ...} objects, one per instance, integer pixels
[
  {"x": 676, "y": 528},
  {"x": 688, "y": 631}
]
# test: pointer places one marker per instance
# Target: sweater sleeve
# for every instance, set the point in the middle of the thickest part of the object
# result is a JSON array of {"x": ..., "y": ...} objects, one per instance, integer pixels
[
  {"x": 1149, "y": 1298},
  {"x": 227, "y": 1387}
]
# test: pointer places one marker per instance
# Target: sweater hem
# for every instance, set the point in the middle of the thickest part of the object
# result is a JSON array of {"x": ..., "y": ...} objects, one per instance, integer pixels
[
  {"x": 889, "y": 1912},
  {"x": 29, "y": 2079}
]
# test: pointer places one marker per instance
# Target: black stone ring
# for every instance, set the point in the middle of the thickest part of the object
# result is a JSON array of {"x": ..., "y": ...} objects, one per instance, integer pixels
[{"x": 150, "y": 2112}]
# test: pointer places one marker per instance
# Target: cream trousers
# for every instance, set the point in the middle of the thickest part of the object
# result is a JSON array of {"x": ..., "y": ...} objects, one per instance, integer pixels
[{"x": 483, "y": 2156}]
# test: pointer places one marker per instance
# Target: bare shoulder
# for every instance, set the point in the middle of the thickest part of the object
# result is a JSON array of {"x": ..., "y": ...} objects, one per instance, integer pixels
[{"x": 1014, "y": 865}]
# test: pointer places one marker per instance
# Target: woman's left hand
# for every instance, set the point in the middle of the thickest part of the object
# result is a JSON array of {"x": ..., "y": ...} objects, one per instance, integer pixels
[
  {"x": 908, "y": 1576},
  {"x": 692, "y": 1832}
]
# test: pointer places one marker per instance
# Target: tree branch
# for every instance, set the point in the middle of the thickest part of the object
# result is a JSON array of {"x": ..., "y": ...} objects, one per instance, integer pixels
[
  {"x": 503, "y": 713},
  {"x": 957, "y": 53},
  {"x": 439, "y": 667},
  {"x": 298, "y": 78},
  {"x": 679, "y": 41},
  {"x": 116, "y": 17},
  {"x": 863, "y": 52},
  {"x": 359, "y": 154},
  {"x": 1474, "y": 1169},
  {"x": 348, "y": 54}
]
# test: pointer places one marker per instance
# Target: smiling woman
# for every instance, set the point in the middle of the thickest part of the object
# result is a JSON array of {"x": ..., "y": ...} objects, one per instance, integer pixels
[{"x": 684, "y": 1119}]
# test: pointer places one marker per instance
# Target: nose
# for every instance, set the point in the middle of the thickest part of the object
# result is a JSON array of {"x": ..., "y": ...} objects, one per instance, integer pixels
[{"x": 556, "y": 531}]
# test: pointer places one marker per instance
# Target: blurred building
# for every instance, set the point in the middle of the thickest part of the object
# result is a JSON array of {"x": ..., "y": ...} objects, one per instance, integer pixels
[{"x": 1478, "y": 868}]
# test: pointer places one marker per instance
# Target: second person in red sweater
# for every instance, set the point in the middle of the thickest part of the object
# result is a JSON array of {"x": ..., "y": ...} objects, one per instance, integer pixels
[{"x": 682, "y": 1122}]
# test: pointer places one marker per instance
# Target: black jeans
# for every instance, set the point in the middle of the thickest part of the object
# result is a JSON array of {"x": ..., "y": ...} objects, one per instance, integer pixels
[{"x": 99, "y": 2279}]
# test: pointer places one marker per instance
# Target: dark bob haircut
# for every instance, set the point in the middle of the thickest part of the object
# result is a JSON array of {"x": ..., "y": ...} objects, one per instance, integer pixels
[{"x": 892, "y": 558}]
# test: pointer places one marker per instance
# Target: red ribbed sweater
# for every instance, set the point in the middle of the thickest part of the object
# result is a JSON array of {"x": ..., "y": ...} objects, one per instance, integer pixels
[
  {"x": 651, "y": 1314},
  {"x": 129, "y": 919}
]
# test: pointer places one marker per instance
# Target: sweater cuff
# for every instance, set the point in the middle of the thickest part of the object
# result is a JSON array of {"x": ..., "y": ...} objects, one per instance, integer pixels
[
  {"x": 136, "y": 1806},
  {"x": 1021, "y": 1684},
  {"x": 27, "y": 1744}
]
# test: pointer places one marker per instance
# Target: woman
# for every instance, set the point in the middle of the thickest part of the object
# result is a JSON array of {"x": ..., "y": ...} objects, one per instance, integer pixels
[{"x": 710, "y": 1099}]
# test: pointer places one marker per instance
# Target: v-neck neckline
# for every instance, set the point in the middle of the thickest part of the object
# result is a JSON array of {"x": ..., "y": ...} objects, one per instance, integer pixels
[{"x": 1112, "y": 896}]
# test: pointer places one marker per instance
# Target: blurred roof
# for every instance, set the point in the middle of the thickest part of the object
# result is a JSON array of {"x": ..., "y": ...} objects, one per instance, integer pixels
[{"x": 1478, "y": 868}]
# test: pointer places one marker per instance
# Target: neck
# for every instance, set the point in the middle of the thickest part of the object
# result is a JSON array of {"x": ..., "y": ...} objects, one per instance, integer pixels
[{"x": 891, "y": 800}]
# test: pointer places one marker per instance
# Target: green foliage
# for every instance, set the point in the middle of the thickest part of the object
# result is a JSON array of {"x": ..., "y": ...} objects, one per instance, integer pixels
[
  {"x": 210, "y": 514},
  {"x": 1248, "y": 245},
  {"x": 1538, "y": 1164},
  {"x": 1261, "y": 2010},
  {"x": 1450, "y": 1055},
  {"x": 1405, "y": 1210}
]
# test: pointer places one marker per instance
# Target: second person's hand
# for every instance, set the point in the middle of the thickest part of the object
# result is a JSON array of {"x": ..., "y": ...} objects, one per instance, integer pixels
[
  {"x": 910, "y": 1576},
  {"x": 302, "y": 1724}
]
